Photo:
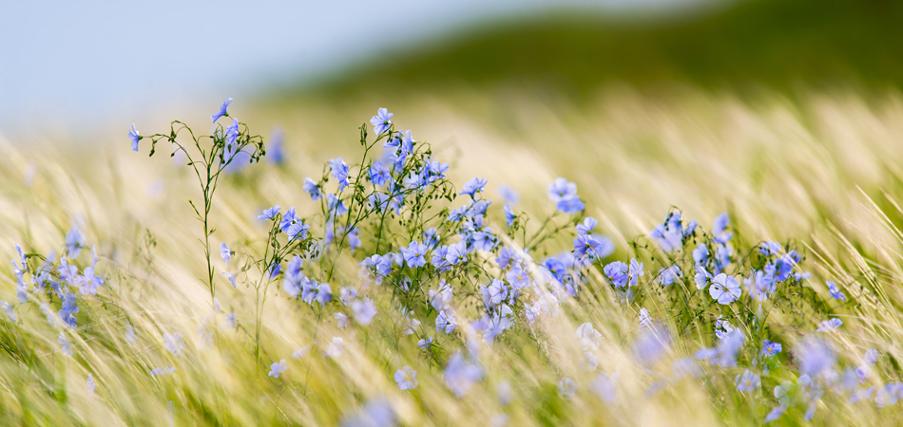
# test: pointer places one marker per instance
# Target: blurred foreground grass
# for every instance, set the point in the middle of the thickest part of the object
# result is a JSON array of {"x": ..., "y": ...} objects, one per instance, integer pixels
[{"x": 824, "y": 171}]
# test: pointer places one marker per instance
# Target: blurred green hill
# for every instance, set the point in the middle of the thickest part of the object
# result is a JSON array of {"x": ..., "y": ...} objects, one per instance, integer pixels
[{"x": 772, "y": 44}]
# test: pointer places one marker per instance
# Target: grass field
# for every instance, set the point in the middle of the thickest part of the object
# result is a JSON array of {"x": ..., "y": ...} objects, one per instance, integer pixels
[{"x": 820, "y": 175}]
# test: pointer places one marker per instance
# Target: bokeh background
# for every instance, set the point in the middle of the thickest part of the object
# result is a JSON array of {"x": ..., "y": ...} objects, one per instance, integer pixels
[
  {"x": 84, "y": 66},
  {"x": 774, "y": 106}
]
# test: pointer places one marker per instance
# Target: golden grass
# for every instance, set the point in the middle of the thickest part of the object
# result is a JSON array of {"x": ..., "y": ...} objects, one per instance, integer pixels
[{"x": 823, "y": 171}]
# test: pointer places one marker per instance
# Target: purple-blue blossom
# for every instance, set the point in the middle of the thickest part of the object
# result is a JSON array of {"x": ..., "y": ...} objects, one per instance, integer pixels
[
  {"x": 364, "y": 311},
  {"x": 223, "y": 110},
  {"x": 461, "y": 374},
  {"x": 835, "y": 292},
  {"x": 312, "y": 188},
  {"x": 134, "y": 136},
  {"x": 382, "y": 121},
  {"x": 277, "y": 368},
  {"x": 414, "y": 254},
  {"x": 269, "y": 214},
  {"x": 406, "y": 378},
  {"x": 339, "y": 170},
  {"x": 564, "y": 194},
  {"x": 474, "y": 186},
  {"x": 725, "y": 289}
]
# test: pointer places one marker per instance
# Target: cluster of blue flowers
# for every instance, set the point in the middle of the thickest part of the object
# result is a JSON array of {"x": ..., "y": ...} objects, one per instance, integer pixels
[
  {"x": 436, "y": 249},
  {"x": 56, "y": 284},
  {"x": 462, "y": 274}
]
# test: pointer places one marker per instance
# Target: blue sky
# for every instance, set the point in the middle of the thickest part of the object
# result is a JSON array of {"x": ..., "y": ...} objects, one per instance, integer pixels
[{"x": 79, "y": 63}]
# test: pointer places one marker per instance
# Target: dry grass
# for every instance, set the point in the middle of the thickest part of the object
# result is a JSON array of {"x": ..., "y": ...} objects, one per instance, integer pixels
[{"x": 824, "y": 172}]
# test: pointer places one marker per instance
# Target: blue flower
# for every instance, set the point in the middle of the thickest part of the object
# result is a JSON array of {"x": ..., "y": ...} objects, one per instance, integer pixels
[
  {"x": 377, "y": 412},
  {"x": 295, "y": 267},
  {"x": 223, "y": 110},
  {"x": 269, "y": 214},
  {"x": 617, "y": 272},
  {"x": 88, "y": 282},
  {"x": 413, "y": 254},
  {"x": 722, "y": 257},
  {"x": 586, "y": 226},
  {"x": 446, "y": 322},
  {"x": 364, "y": 310},
  {"x": 592, "y": 247},
  {"x": 382, "y": 121},
  {"x": 771, "y": 348},
  {"x": 379, "y": 173},
  {"x": 725, "y": 289},
  {"x": 474, "y": 186},
  {"x": 275, "y": 151},
  {"x": 668, "y": 275},
  {"x": 561, "y": 189},
  {"x": 173, "y": 343},
  {"x": 277, "y": 368},
  {"x": 312, "y": 188},
  {"x": 508, "y": 195},
  {"x": 775, "y": 413},
  {"x": 636, "y": 271},
  {"x": 339, "y": 171},
  {"x": 435, "y": 171},
  {"x": 293, "y": 226},
  {"x": 293, "y": 285},
  {"x": 506, "y": 257},
  {"x": 621, "y": 275},
  {"x": 651, "y": 344},
  {"x": 225, "y": 252},
  {"x": 406, "y": 378},
  {"x": 783, "y": 266},
  {"x": 275, "y": 269},
  {"x": 830, "y": 324},
  {"x": 760, "y": 284},
  {"x": 570, "y": 205},
  {"x": 702, "y": 277},
  {"x": 495, "y": 293},
  {"x": 74, "y": 242},
  {"x": 567, "y": 388},
  {"x": 168, "y": 370},
  {"x": 134, "y": 136},
  {"x": 604, "y": 387},
  {"x": 770, "y": 248},
  {"x": 728, "y": 348},
  {"x": 835, "y": 292},
  {"x": 669, "y": 235},
  {"x": 413, "y": 181},
  {"x": 68, "y": 309},
  {"x": 482, "y": 240},
  {"x": 431, "y": 237},
  {"x": 440, "y": 298},
  {"x": 510, "y": 216},
  {"x": 460, "y": 374},
  {"x": 9, "y": 310},
  {"x": 564, "y": 194},
  {"x": 719, "y": 229},
  {"x": 65, "y": 344},
  {"x": 324, "y": 293},
  {"x": 379, "y": 266},
  {"x": 723, "y": 328},
  {"x": 748, "y": 381},
  {"x": 700, "y": 254},
  {"x": 814, "y": 356},
  {"x": 232, "y": 133}
]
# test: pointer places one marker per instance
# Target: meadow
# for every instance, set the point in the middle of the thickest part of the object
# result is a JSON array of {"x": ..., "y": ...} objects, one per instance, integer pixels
[{"x": 695, "y": 259}]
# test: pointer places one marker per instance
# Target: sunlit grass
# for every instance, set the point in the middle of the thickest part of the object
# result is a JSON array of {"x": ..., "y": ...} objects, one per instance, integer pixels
[{"x": 823, "y": 173}]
